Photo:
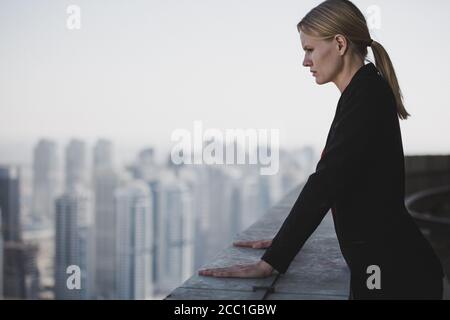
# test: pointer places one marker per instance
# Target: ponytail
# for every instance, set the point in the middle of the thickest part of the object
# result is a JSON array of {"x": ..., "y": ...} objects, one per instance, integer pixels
[{"x": 384, "y": 65}]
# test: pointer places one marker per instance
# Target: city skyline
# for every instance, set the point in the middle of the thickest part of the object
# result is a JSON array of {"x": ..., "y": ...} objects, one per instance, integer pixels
[{"x": 133, "y": 231}]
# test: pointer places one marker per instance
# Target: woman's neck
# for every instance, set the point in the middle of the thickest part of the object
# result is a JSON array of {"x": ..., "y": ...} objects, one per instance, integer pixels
[{"x": 348, "y": 71}]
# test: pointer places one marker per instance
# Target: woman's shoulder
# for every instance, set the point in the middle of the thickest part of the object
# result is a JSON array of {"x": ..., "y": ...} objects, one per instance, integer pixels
[
  {"x": 370, "y": 96},
  {"x": 369, "y": 88}
]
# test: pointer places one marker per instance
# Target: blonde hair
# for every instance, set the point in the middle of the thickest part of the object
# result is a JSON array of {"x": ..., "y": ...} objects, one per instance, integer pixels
[{"x": 334, "y": 17}]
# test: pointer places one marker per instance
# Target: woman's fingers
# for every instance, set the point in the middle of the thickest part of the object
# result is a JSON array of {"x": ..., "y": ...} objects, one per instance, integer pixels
[
  {"x": 219, "y": 270},
  {"x": 243, "y": 243},
  {"x": 256, "y": 244},
  {"x": 240, "y": 270},
  {"x": 232, "y": 268},
  {"x": 236, "y": 271},
  {"x": 262, "y": 244},
  {"x": 228, "y": 273}
]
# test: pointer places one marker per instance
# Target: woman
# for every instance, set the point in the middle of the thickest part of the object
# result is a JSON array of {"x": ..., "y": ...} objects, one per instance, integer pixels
[{"x": 360, "y": 175}]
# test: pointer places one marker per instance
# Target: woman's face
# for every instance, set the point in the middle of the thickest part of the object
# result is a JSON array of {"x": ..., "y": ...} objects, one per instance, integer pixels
[{"x": 323, "y": 57}]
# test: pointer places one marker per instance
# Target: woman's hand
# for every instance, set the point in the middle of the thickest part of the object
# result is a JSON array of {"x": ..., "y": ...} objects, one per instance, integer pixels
[
  {"x": 260, "y": 269},
  {"x": 255, "y": 244}
]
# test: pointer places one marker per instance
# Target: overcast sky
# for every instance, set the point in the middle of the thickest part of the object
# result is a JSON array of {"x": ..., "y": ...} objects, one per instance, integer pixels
[{"x": 137, "y": 70}]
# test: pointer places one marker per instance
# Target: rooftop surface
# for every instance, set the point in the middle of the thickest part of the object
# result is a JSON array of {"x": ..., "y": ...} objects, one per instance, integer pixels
[{"x": 317, "y": 272}]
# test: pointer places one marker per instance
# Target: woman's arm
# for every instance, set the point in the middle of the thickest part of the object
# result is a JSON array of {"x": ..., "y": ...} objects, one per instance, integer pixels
[{"x": 340, "y": 165}]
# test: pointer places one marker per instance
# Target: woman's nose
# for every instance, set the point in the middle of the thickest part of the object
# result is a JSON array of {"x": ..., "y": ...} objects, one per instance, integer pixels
[{"x": 306, "y": 62}]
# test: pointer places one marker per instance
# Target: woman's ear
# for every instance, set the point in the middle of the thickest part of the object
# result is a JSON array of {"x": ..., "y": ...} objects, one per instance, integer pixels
[{"x": 341, "y": 43}]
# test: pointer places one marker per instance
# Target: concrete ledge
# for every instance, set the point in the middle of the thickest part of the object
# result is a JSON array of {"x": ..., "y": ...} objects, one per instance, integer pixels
[{"x": 318, "y": 272}]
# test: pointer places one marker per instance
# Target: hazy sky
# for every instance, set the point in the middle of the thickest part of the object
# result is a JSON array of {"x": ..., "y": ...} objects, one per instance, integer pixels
[{"x": 137, "y": 70}]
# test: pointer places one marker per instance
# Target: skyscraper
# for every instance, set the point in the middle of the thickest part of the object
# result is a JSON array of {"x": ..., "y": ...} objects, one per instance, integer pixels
[
  {"x": 44, "y": 182},
  {"x": 20, "y": 273},
  {"x": 18, "y": 258},
  {"x": 41, "y": 262},
  {"x": 74, "y": 243},
  {"x": 134, "y": 241},
  {"x": 75, "y": 164},
  {"x": 105, "y": 182},
  {"x": 103, "y": 155},
  {"x": 176, "y": 237},
  {"x": 216, "y": 194},
  {"x": 9, "y": 202},
  {"x": 146, "y": 166}
]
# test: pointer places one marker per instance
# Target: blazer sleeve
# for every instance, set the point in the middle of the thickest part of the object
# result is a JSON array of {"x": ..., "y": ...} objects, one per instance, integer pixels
[{"x": 340, "y": 164}]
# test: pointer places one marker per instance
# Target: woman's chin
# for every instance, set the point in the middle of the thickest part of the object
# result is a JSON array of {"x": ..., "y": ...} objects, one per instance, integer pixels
[{"x": 320, "y": 81}]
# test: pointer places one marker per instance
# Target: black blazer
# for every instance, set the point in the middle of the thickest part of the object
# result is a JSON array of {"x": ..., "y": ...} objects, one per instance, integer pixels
[{"x": 361, "y": 177}]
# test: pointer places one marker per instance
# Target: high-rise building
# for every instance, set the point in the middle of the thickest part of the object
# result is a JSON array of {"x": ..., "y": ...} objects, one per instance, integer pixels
[
  {"x": 41, "y": 263},
  {"x": 9, "y": 202},
  {"x": 154, "y": 189},
  {"x": 216, "y": 191},
  {"x": 103, "y": 155},
  {"x": 45, "y": 176},
  {"x": 198, "y": 182},
  {"x": 176, "y": 237},
  {"x": 74, "y": 244},
  {"x": 20, "y": 273},
  {"x": 146, "y": 166},
  {"x": 20, "y": 276},
  {"x": 134, "y": 241},
  {"x": 105, "y": 183},
  {"x": 236, "y": 207},
  {"x": 75, "y": 164}
]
